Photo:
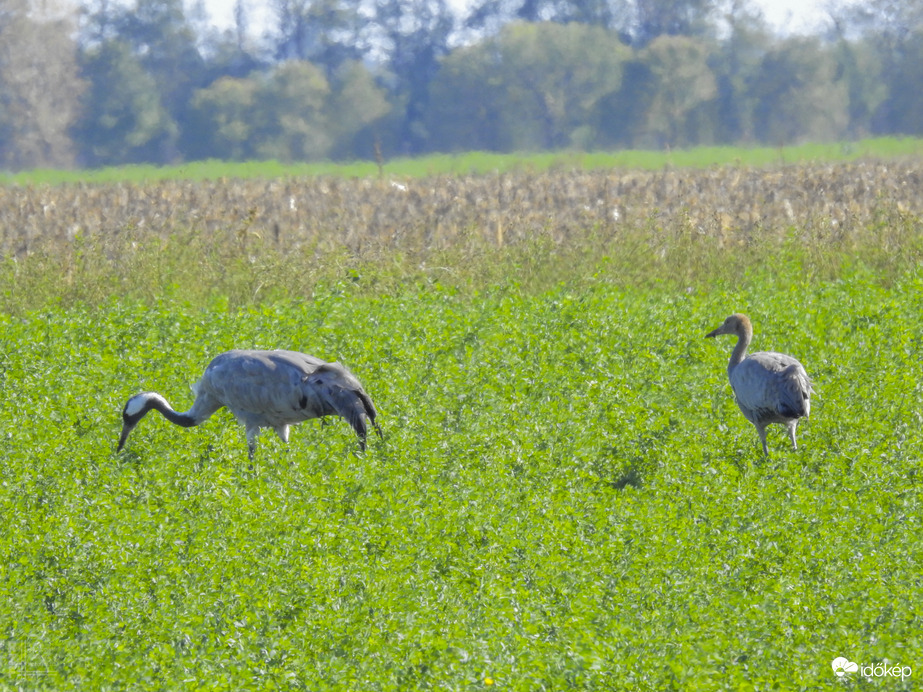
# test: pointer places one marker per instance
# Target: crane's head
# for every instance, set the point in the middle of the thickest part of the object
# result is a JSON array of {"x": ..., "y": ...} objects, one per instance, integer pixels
[
  {"x": 737, "y": 324},
  {"x": 135, "y": 409}
]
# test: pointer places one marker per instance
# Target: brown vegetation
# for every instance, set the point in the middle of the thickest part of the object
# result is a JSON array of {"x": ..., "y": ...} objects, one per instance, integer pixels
[
  {"x": 731, "y": 204},
  {"x": 251, "y": 240}
]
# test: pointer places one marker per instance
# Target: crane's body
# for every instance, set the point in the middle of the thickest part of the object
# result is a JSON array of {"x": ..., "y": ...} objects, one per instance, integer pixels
[
  {"x": 769, "y": 387},
  {"x": 265, "y": 389}
]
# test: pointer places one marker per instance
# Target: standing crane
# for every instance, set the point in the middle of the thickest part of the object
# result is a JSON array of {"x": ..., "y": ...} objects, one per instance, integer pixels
[
  {"x": 265, "y": 389},
  {"x": 770, "y": 387}
]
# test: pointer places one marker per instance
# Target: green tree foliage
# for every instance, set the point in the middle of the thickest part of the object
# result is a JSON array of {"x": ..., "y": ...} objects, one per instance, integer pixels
[
  {"x": 860, "y": 69},
  {"x": 887, "y": 34},
  {"x": 534, "y": 86},
  {"x": 489, "y": 15},
  {"x": 467, "y": 102},
  {"x": 223, "y": 119},
  {"x": 413, "y": 36},
  {"x": 293, "y": 114},
  {"x": 324, "y": 32},
  {"x": 655, "y": 18},
  {"x": 39, "y": 86},
  {"x": 621, "y": 114},
  {"x": 800, "y": 95},
  {"x": 293, "y": 110},
  {"x": 682, "y": 83},
  {"x": 906, "y": 101},
  {"x": 122, "y": 118},
  {"x": 355, "y": 106},
  {"x": 148, "y": 46},
  {"x": 735, "y": 61},
  {"x": 332, "y": 76},
  {"x": 165, "y": 44}
]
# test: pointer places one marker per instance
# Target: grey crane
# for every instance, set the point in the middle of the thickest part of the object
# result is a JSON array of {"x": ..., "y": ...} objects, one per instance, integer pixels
[
  {"x": 769, "y": 387},
  {"x": 265, "y": 389}
]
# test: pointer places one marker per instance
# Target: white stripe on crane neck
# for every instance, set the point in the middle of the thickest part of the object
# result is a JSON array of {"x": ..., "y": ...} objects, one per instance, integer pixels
[{"x": 137, "y": 403}]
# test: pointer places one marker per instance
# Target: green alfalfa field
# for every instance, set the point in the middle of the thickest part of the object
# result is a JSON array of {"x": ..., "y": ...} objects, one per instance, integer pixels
[{"x": 565, "y": 497}]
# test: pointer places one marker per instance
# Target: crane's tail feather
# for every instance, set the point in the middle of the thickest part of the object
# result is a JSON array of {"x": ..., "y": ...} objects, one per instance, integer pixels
[
  {"x": 355, "y": 406},
  {"x": 345, "y": 397},
  {"x": 370, "y": 411},
  {"x": 795, "y": 392}
]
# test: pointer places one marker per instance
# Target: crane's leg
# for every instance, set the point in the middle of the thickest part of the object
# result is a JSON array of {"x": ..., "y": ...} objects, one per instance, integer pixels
[
  {"x": 761, "y": 429},
  {"x": 252, "y": 434},
  {"x": 282, "y": 432}
]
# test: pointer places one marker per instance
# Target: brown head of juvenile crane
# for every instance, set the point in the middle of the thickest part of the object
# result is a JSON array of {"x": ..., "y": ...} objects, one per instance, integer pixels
[{"x": 769, "y": 387}]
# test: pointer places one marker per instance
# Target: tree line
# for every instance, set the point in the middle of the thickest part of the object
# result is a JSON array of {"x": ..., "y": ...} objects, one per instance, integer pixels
[{"x": 146, "y": 81}]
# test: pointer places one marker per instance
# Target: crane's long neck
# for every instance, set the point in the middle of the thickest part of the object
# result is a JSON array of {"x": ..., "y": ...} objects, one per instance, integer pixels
[
  {"x": 740, "y": 350},
  {"x": 185, "y": 419},
  {"x": 139, "y": 406}
]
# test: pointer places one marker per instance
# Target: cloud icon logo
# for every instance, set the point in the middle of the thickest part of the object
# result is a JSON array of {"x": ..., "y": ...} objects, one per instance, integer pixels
[{"x": 841, "y": 666}]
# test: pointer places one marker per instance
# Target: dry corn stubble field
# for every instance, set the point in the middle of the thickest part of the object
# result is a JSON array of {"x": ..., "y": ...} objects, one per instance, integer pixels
[
  {"x": 260, "y": 239},
  {"x": 730, "y": 204}
]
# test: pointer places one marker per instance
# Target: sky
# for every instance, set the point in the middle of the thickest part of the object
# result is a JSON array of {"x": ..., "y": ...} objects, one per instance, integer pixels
[
  {"x": 794, "y": 15},
  {"x": 787, "y": 16}
]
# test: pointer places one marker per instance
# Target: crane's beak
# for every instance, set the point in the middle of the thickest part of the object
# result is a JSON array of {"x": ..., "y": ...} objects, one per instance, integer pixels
[{"x": 126, "y": 429}]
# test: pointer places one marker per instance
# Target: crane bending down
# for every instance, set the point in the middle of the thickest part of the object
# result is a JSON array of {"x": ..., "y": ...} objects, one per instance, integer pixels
[
  {"x": 770, "y": 387},
  {"x": 265, "y": 389}
]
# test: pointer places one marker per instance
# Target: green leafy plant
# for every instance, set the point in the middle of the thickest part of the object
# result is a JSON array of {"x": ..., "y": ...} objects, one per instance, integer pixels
[{"x": 566, "y": 495}]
